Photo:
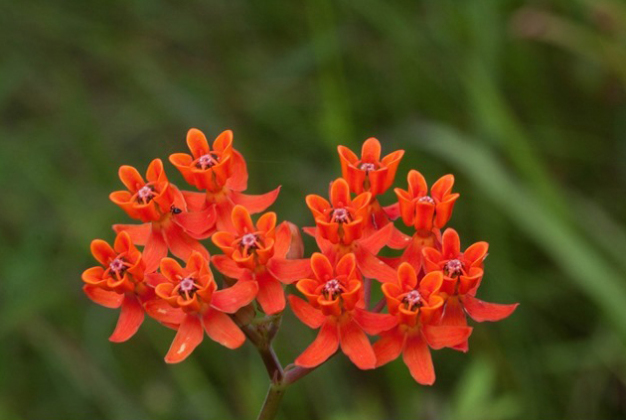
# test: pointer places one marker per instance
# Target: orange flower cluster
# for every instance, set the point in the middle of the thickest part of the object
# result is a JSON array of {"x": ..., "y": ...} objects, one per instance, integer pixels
[{"x": 428, "y": 289}]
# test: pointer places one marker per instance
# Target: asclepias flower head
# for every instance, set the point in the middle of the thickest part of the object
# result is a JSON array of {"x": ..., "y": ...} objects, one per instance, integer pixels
[
  {"x": 370, "y": 173},
  {"x": 342, "y": 219},
  {"x": 145, "y": 200},
  {"x": 118, "y": 281},
  {"x": 423, "y": 211},
  {"x": 462, "y": 273},
  {"x": 417, "y": 306},
  {"x": 335, "y": 305},
  {"x": 193, "y": 292}
]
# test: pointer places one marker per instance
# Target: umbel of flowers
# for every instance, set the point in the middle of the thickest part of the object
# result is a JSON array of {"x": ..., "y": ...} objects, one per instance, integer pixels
[{"x": 429, "y": 289}]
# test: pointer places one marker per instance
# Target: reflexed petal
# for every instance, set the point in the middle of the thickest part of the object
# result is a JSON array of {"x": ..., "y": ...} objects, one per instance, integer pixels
[
  {"x": 154, "y": 251},
  {"x": 325, "y": 345},
  {"x": 222, "y": 329},
  {"x": 398, "y": 240},
  {"x": 196, "y": 201},
  {"x": 188, "y": 337},
  {"x": 139, "y": 234},
  {"x": 103, "y": 297},
  {"x": 417, "y": 357},
  {"x": 102, "y": 252},
  {"x": 197, "y": 223},
  {"x": 271, "y": 295},
  {"x": 289, "y": 271},
  {"x": 377, "y": 240},
  {"x": 131, "y": 178},
  {"x": 227, "y": 266},
  {"x": 321, "y": 267},
  {"x": 407, "y": 277},
  {"x": 283, "y": 240},
  {"x": 238, "y": 181},
  {"x": 484, "y": 311},
  {"x": 445, "y": 336},
  {"x": 181, "y": 244},
  {"x": 197, "y": 143},
  {"x": 355, "y": 344},
  {"x": 230, "y": 300},
  {"x": 392, "y": 211},
  {"x": 389, "y": 347},
  {"x": 451, "y": 244},
  {"x": 374, "y": 323},
  {"x": 162, "y": 311},
  {"x": 309, "y": 316},
  {"x": 374, "y": 268},
  {"x": 255, "y": 203},
  {"x": 454, "y": 315},
  {"x": 131, "y": 318}
]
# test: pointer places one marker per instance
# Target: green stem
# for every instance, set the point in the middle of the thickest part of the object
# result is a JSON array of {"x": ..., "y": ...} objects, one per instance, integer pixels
[{"x": 272, "y": 401}]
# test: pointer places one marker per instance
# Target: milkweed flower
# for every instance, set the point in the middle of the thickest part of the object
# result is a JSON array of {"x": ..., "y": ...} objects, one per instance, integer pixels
[
  {"x": 221, "y": 171},
  {"x": 372, "y": 174},
  {"x": 198, "y": 305},
  {"x": 427, "y": 214},
  {"x": 417, "y": 306},
  {"x": 339, "y": 230},
  {"x": 258, "y": 253},
  {"x": 335, "y": 306},
  {"x": 462, "y": 273},
  {"x": 162, "y": 208},
  {"x": 118, "y": 281}
]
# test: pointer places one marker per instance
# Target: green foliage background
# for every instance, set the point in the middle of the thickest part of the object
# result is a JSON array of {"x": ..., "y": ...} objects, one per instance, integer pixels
[{"x": 523, "y": 101}]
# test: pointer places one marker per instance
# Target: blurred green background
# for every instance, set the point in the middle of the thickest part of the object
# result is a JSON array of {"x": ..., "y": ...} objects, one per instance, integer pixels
[{"x": 523, "y": 101}]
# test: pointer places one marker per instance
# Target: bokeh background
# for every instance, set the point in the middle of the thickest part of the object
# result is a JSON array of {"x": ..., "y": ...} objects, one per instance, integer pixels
[{"x": 523, "y": 101}]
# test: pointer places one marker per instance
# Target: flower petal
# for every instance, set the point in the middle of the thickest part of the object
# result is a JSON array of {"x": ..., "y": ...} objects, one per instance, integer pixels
[
  {"x": 163, "y": 312},
  {"x": 355, "y": 344},
  {"x": 188, "y": 337},
  {"x": 389, "y": 347},
  {"x": 138, "y": 233},
  {"x": 321, "y": 267},
  {"x": 476, "y": 253},
  {"x": 255, "y": 203},
  {"x": 440, "y": 336},
  {"x": 197, "y": 143},
  {"x": 407, "y": 277},
  {"x": 230, "y": 300},
  {"x": 311, "y": 317},
  {"x": 340, "y": 193},
  {"x": 222, "y": 329},
  {"x": 103, "y": 297},
  {"x": 451, "y": 244},
  {"x": 227, "y": 266},
  {"x": 131, "y": 178},
  {"x": 131, "y": 318},
  {"x": 154, "y": 251},
  {"x": 289, "y": 271},
  {"x": 417, "y": 357},
  {"x": 374, "y": 323},
  {"x": 271, "y": 295},
  {"x": 181, "y": 244},
  {"x": 374, "y": 268},
  {"x": 377, "y": 240},
  {"x": 484, "y": 311},
  {"x": 242, "y": 221},
  {"x": 442, "y": 187},
  {"x": 370, "y": 152},
  {"x": 238, "y": 181},
  {"x": 325, "y": 345},
  {"x": 197, "y": 223},
  {"x": 102, "y": 252}
]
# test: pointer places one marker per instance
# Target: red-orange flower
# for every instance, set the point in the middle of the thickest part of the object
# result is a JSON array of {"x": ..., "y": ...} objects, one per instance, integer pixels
[
  {"x": 462, "y": 274},
  {"x": 163, "y": 208},
  {"x": 118, "y": 282},
  {"x": 370, "y": 173},
  {"x": 422, "y": 211},
  {"x": 258, "y": 253},
  {"x": 193, "y": 291},
  {"x": 222, "y": 172},
  {"x": 416, "y": 305},
  {"x": 335, "y": 305}
]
